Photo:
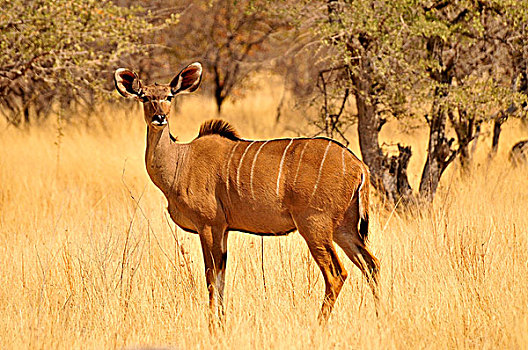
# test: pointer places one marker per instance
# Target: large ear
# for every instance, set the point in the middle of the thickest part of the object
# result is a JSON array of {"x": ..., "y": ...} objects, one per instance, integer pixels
[
  {"x": 188, "y": 80},
  {"x": 127, "y": 82}
]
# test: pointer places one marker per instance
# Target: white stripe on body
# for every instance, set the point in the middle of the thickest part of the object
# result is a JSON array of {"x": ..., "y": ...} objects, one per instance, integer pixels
[
  {"x": 281, "y": 165},
  {"x": 253, "y": 169},
  {"x": 300, "y": 160},
  {"x": 358, "y": 190},
  {"x": 240, "y": 166},
  {"x": 343, "y": 160},
  {"x": 320, "y": 169},
  {"x": 228, "y": 165},
  {"x": 360, "y": 204}
]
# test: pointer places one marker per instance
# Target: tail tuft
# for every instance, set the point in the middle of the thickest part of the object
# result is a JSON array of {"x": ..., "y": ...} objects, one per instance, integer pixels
[
  {"x": 363, "y": 206},
  {"x": 363, "y": 228}
]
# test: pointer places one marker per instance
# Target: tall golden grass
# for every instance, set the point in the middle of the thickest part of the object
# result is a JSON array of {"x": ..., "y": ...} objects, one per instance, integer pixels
[{"x": 90, "y": 259}]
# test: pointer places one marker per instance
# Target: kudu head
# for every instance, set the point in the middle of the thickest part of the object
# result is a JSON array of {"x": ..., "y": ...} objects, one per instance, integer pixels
[{"x": 157, "y": 98}]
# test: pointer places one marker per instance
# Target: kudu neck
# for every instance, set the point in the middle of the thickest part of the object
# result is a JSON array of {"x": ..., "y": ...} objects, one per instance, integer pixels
[
  {"x": 164, "y": 158},
  {"x": 157, "y": 142}
]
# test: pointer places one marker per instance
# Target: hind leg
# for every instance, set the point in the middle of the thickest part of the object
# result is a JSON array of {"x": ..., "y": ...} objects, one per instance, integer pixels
[
  {"x": 319, "y": 239},
  {"x": 352, "y": 244}
]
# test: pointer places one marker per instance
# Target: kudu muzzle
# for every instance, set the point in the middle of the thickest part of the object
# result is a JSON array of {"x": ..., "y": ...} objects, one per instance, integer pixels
[{"x": 159, "y": 119}]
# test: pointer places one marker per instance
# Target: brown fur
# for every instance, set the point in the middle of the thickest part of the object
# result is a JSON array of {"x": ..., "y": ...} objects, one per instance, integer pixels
[{"x": 220, "y": 183}]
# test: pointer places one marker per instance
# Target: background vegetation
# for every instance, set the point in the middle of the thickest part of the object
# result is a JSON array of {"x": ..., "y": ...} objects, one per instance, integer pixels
[
  {"x": 91, "y": 260},
  {"x": 437, "y": 64},
  {"x": 424, "y": 91}
]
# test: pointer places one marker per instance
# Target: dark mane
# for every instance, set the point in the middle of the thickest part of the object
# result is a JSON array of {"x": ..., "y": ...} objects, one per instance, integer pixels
[{"x": 218, "y": 127}]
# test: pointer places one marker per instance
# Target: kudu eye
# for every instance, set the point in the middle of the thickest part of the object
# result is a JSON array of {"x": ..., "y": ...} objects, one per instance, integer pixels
[
  {"x": 141, "y": 96},
  {"x": 169, "y": 98}
]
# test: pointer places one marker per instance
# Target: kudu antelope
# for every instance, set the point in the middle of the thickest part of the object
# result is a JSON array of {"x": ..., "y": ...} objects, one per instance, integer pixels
[{"x": 219, "y": 183}]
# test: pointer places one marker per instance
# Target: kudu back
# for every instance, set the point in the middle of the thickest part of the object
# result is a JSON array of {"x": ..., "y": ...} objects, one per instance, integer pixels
[{"x": 219, "y": 183}]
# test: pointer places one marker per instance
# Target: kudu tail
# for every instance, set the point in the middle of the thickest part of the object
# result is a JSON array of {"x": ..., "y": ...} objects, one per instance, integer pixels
[{"x": 363, "y": 206}]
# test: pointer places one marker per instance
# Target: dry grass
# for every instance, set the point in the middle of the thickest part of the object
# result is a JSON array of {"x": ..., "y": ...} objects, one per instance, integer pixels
[{"x": 85, "y": 265}]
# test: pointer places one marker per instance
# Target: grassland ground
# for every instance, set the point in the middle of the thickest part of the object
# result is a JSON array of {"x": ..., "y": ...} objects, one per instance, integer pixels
[{"x": 90, "y": 259}]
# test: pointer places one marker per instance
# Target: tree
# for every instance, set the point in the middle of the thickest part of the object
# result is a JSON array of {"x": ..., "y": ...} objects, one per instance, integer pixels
[
  {"x": 513, "y": 37},
  {"x": 366, "y": 61},
  {"x": 393, "y": 56},
  {"x": 49, "y": 48},
  {"x": 232, "y": 39}
]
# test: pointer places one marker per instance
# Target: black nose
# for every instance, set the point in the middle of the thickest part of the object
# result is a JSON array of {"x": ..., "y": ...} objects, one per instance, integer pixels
[{"x": 159, "y": 119}]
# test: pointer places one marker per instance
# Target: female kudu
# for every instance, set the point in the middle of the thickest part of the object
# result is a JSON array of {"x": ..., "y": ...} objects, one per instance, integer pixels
[{"x": 219, "y": 183}]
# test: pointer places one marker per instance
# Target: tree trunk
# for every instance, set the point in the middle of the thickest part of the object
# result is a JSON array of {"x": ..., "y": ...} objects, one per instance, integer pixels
[
  {"x": 219, "y": 87},
  {"x": 439, "y": 153},
  {"x": 519, "y": 84},
  {"x": 26, "y": 115},
  {"x": 388, "y": 175},
  {"x": 219, "y": 99},
  {"x": 475, "y": 139},
  {"x": 497, "y": 128},
  {"x": 368, "y": 124},
  {"x": 467, "y": 130}
]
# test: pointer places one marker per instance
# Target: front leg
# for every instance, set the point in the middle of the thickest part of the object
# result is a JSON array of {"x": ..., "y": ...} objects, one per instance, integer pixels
[{"x": 214, "y": 247}]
